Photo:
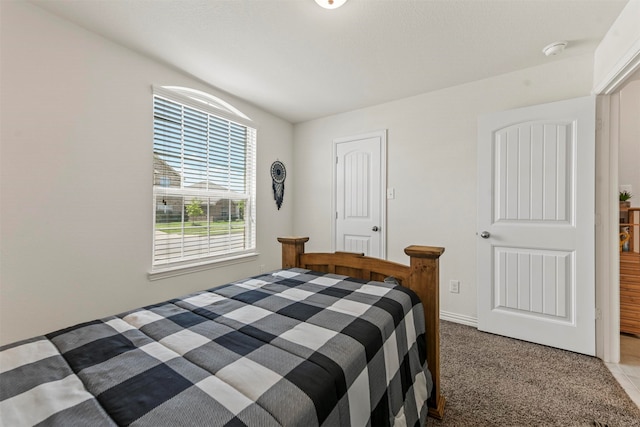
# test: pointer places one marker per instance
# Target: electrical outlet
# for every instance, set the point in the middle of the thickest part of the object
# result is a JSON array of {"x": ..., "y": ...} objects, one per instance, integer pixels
[
  {"x": 261, "y": 268},
  {"x": 454, "y": 286}
]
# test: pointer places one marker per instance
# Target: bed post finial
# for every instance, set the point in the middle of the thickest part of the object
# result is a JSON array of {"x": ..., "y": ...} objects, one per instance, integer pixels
[
  {"x": 424, "y": 280},
  {"x": 292, "y": 248}
]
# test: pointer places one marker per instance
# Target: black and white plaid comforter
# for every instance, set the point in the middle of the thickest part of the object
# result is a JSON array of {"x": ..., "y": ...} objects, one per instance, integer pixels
[{"x": 292, "y": 348}]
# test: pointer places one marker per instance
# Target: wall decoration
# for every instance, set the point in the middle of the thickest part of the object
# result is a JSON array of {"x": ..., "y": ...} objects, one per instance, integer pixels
[{"x": 278, "y": 175}]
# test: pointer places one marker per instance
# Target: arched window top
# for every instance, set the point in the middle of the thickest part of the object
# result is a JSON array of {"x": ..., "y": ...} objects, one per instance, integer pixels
[{"x": 202, "y": 100}]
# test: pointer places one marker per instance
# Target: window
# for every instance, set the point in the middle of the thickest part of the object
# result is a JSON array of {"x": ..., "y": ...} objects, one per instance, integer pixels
[{"x": 204, "y": 154}]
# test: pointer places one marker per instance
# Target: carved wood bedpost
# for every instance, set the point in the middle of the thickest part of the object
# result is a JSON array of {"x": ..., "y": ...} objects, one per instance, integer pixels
[
  {"x": 292, "y": 248},
  {"x": 424, "y": 280}
]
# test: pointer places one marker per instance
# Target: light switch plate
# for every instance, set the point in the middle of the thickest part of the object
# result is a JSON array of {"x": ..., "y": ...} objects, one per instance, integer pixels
[{"x": 391, "y": 193}]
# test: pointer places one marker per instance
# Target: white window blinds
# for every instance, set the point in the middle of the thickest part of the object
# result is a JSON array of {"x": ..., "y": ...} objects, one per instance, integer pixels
[{"x": 203, "y": 187}]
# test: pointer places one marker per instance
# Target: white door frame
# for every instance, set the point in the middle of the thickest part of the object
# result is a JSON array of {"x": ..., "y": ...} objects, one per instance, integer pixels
[
  {"x": 382, "y": 134},
  {"x": 607, "y": 240}
]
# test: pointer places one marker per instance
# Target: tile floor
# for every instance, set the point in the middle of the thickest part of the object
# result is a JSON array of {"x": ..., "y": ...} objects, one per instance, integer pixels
[{"x": 627, "y": 372}]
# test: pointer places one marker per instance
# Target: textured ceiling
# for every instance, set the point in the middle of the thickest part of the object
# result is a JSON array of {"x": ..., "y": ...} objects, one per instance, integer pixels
[{"x": 301, "y": 62}]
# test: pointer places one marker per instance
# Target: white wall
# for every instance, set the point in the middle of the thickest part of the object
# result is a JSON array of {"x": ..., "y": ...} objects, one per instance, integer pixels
[
  {"x": 431, "y": 165},
  {"x": 629, "y": 154},
  {"x": 76, "y": 176},
  {"x": 617, "y": 54}
]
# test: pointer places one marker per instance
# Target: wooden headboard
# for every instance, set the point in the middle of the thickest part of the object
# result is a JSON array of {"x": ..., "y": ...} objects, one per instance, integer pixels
[{"x": 421, "y": 276}]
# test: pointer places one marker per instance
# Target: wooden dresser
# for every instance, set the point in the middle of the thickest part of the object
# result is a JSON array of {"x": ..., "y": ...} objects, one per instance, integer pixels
[{"x": 630, "y": 292}]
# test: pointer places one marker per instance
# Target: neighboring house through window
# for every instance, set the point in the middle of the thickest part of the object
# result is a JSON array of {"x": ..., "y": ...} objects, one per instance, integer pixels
[{"x": 204, "y": 155}]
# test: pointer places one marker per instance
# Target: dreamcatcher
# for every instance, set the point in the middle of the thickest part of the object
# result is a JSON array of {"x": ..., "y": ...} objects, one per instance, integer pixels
[{"x": 278, "y": 175}]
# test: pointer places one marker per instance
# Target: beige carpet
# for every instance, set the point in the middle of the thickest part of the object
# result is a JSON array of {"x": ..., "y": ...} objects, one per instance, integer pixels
[{"x": 489, "y": 380}]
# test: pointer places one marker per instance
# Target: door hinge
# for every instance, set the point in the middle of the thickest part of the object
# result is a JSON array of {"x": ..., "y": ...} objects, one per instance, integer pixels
[
  {"x": 336, "y": 214},
  {"x": 336, "y": 160},
  {"x": 598, "y": 314},
  {"x": 599, "y": 125}
]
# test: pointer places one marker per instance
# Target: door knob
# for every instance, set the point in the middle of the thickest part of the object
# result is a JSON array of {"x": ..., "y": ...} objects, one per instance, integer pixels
[
  {"x": 375, "y": 228},
  {"x": 485, "y": 234}
]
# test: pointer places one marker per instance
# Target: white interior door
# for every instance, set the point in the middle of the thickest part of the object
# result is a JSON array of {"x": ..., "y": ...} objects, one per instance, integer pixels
[
  {"x": 536, "y": 249},
  {"x": 360, "y": 188}
]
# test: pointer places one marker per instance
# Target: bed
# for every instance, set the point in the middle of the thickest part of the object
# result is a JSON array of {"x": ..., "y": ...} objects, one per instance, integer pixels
[{"x": 328, "y": 340}]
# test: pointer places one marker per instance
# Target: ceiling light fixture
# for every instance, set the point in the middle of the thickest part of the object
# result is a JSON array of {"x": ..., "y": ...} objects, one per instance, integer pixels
[
  {"x": 554, "y": 48},
  {"x": 331, "y": 4}
]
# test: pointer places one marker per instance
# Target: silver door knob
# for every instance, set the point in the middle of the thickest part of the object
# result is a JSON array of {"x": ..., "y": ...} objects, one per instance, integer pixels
[
  {"x": 375, "y": 228},
  {"x": 485, "y": 234}
]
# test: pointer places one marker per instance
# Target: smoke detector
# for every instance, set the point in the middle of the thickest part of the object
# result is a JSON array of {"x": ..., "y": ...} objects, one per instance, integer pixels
[{"x": 554, "y": 48}]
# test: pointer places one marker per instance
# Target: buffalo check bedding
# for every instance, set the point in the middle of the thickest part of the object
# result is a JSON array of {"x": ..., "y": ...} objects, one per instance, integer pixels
[{"x": 291, "y": 347}]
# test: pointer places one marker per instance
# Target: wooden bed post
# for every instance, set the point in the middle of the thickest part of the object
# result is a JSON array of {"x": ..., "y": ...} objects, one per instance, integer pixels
[
  {"x": 292, "y": 248},
  {"x": 424, "y": 280}
]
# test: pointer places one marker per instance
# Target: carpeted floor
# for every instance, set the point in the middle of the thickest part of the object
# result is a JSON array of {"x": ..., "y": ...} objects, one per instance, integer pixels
[{"x": 489, "y": 380}]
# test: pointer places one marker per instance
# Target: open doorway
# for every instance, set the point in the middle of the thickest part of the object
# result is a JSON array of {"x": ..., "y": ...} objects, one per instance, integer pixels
[{"x": 628, "y": 174}]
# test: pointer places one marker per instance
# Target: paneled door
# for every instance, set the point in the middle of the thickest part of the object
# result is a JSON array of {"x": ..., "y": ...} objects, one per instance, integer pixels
[
  {"x": 536, "y": 203},
  {"x": 360, "y": 190}
]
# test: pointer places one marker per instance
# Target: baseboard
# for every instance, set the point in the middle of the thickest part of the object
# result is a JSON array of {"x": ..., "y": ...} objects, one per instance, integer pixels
[{"x": 459, "y": 318}]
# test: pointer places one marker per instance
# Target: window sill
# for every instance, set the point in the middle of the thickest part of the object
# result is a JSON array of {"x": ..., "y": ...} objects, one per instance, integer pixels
[{"x": 164, "y": 273}]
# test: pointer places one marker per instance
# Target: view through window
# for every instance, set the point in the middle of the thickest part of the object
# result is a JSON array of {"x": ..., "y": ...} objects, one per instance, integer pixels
[{"x": 204, "y": 184}]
